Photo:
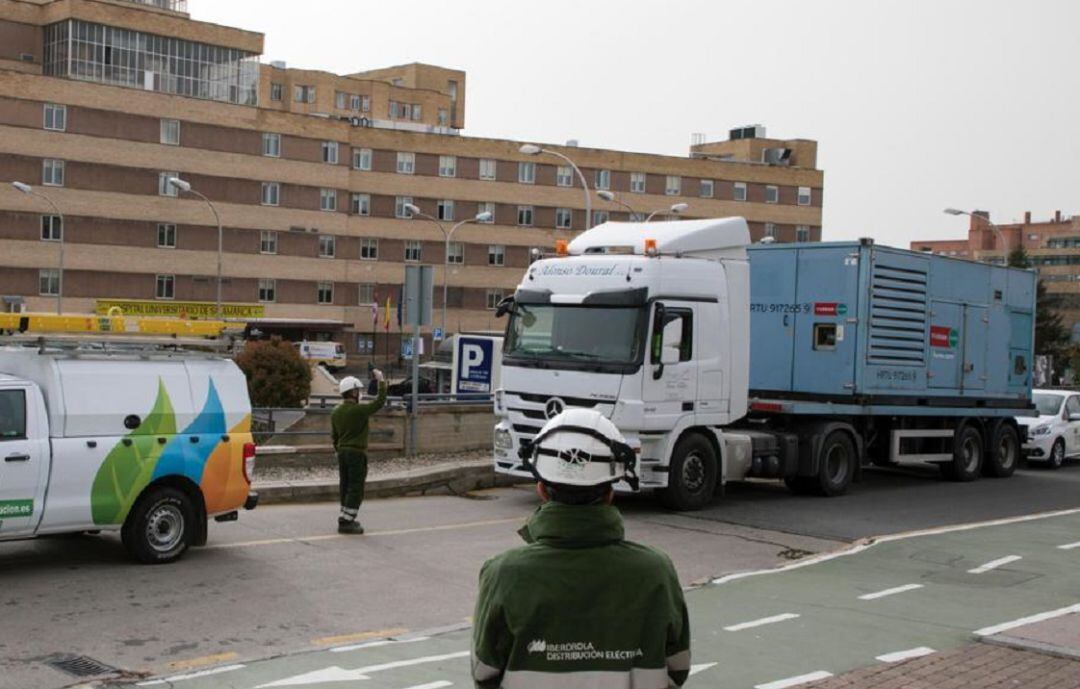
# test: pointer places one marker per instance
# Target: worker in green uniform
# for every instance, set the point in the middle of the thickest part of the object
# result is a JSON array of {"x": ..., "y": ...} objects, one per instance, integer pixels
[
  {"x": 579, "y": 606},
  {"x": 349, "y": 426}
]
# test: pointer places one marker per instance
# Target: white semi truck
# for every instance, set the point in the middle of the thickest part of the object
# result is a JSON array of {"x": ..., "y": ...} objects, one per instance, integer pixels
[{"x": 720, "y": 361}]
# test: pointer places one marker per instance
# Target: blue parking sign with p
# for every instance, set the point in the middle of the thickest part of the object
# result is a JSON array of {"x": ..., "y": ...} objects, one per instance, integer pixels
[{"x": 474, "y": 364}]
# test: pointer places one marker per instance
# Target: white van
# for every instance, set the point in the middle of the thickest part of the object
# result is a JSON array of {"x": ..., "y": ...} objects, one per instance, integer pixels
[
  {"x": 329, "y": 354},
  {"x": 150, "y": 445}
]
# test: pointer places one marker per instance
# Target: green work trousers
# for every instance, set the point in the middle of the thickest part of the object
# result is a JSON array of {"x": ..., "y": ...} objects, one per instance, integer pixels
[{"x": 352, "y": 472}]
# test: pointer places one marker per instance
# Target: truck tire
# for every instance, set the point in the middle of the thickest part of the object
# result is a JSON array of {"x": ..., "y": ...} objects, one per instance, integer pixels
[
  {"x": 836, "y": 464},
  {"x": 966, "y": 464},
  {"x": 161, "y": 527},
  {"x": 1004, "y": 452},
  {"x": 692, "y": 476}
]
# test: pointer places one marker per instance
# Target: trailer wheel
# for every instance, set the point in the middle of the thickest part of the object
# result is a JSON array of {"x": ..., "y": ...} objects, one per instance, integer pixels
[
  {"x": 966, "y": 464},
  {"x": 1004, "y": 452},
  {"x": 161, "y": 526},
  {"x": 692, "y": 477}
]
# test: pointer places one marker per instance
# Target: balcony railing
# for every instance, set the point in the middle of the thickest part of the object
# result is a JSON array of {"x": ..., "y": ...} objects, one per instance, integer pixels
[{"x": 171, "y": 5}]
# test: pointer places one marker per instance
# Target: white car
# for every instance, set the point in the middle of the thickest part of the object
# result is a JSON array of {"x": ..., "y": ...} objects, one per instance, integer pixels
[{"x": 1055, "y": 435}]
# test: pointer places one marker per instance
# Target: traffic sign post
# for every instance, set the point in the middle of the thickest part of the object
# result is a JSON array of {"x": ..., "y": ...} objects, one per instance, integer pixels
[
  {"x": 437, "y": 335},
  {"x": 419, "y": 283}
]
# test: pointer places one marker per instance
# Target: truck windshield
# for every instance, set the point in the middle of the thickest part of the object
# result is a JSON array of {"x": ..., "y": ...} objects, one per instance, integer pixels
[
  {"x": 1048, "y": 405},
  {"x": 563, "y": 333}
]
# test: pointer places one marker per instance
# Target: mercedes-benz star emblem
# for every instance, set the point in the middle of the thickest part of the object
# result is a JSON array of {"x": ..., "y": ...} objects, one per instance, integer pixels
[{"x": 554, "y": 407}]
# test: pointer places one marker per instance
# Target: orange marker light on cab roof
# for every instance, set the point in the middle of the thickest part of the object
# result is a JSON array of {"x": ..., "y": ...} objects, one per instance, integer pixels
[
  {"x": 650, "y": 247},
  {"x": 561, "y": 247}
]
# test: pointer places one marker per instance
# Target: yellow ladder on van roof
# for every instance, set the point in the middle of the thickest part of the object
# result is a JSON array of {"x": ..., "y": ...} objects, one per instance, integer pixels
[{"x": 113, "y": 325}]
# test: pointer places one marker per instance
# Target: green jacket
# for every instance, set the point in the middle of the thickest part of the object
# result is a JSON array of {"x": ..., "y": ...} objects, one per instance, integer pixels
[
  {"x": 580, "y": 607},
  {"x": 349, "y": 422}
]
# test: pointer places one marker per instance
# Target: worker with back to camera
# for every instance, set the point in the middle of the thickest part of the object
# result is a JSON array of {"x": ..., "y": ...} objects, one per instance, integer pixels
[
  {"x": 579, "y": 606},
  {"x": 350, "y": 423}
]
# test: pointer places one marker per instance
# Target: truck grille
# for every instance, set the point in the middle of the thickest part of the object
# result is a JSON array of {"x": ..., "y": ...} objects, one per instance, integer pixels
[{"x": 898, "y": 312}]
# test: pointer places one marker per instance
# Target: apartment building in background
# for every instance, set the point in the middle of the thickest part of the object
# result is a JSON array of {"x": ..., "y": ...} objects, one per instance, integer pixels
[
  {"x": 1052, "y": 245},
  {"x": 312, "y": 173}
]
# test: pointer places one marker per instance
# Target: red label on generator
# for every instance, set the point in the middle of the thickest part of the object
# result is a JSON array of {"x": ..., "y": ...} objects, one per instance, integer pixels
[
  {"x": 826, "y": 308},
  {"x": 942, "y": 336}
]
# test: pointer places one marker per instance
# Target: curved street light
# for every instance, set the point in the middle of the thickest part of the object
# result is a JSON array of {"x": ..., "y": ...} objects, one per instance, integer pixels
[
  {"x": 533, "y": 149},
  {"x": 30, "y": 191},
  {"x": 995, "y": 228},
  {"x": 675, "y": 209},
  {"x": 609, "y": 196},
  {"x": 185, "y": 187}
]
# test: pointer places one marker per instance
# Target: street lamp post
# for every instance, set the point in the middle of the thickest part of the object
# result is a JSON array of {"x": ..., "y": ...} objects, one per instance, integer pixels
[
  {"x": 27, "y": 189},
  {"x": 674, "y": 209},
  {"x": 183, "y": 186},
  {"x": 608, "y": 196},
  {"x": 480, "y": 217},
  {"x": 995, "y": 228},
  {"x": 533, "y": 149}
]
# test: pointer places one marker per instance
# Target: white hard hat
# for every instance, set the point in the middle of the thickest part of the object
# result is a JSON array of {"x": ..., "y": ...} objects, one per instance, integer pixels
[
  {"x": 580, "y": 447},
  {"x": 349, "y": 383}
]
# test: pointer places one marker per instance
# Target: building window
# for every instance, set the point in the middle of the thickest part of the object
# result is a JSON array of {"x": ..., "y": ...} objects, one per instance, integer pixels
[
  {"x": 325, "y": 293},
  {"x": 52, "y": 173},
  {"x": 49, "y": 282},
  {"x": 392, "y": 109},
  {"x": 804, "y": 196},
  {"x": 600, "y": 217},
  {"x": 361, "y": 158},
  {"x": 329, "y": 152},
  {"x": 304, "y": 94},
  {"x": 739, "y": 193},
  {"x": 486, "y": 207},
  {"x": 447, "y": 166},
  {"x": 355, "y": 103},
  {"x": 444, "y": 117},
  {"x": 496, "y": 255},
  {"x": 802, "y": 233},
  {"x": 413, "y": 251},
  {"x": 52, "y": 229},
  {"x": 525, "y": 216},
  {"x": 406, "y": 163},
  {"x": 271, "y": 193},
  {"x": 494, "y": 296},
  {"x": 365, "y": 293},
  {"x": 55, "y": 117},
  {"x": 165, "y": 287},
  {"x": 268, "y": 242},
  {"x": 170, "y": 132},
  {"x": 527, "y": 173},
  {"x": 603, "y": 179},
  {"x": 707, "y": 189},
  {"x": 341, "y": 99},
  {"x": 276, "y": 91},
  {"x": 328, "y": 199},
  {"x": 564, "y": 218},
  {"x": 166, "y": 236},
  {"x": 770, "y": 230},
  {"x": 400, "y": 210},
  {"x": 637, "y": 182},
  {"x": 445, "y": 209},
  {"x": 272, "y": 145},
  {"x": 673, "y": 185},
  {"x": 772, "y": 194},
  {"x": 564, "y": 176},
  {"x": 369, "y": 249},
  {"x": 365, "y": 103},
  {"x": 327, "y": 246},
  {"x": 361, "y": 204},
  {"x": 164, "y": 188},
  {"x": 487, "y": 168},
  {"x": 267, "y": 289},
  {"x": 455, "y": 253}
]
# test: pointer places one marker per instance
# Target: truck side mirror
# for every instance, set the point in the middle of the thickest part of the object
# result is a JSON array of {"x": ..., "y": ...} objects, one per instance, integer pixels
[{"x": 505, "y": 306}]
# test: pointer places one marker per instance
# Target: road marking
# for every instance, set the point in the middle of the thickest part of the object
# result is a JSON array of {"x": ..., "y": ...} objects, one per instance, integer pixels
[
  {"x": 358, "y": 636},
  {"x": 763, "y": 621},
  {"x": 1069, "y": 546},
  {"x": 191, "y": 675},
  {"x": 1023, "y": 621},
  {"x": 890, "y": 592},
  {"x": 203, "y": 661},
  {"x": 339, "y": 674},
  {"x": 795, "y": 681},
  {"x": 700, "y": 667},
  {"x": 906, "y": 655},
  {"x": 994, "y": 564},
  {"x": 375, "y": 644},
  {"x": 370, "y": 534},
  {"x": 432, "y": 685}
]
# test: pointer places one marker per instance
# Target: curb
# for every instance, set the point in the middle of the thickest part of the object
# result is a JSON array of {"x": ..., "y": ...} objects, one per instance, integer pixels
[
  {"x": 443, "y": 480},
  {"x": 1031, "y": 646}
]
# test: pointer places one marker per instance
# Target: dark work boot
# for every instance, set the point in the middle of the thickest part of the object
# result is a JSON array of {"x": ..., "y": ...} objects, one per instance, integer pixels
[{"x": 350, "y": 527}]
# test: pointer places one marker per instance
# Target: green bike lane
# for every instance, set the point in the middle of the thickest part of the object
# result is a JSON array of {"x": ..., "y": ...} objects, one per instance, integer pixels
[{"x": 827, "y": 615}]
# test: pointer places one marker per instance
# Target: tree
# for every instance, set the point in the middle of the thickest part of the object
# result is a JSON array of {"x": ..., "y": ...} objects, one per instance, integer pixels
[
  {"x": 276, "y": 375},
  {"x": 1051, "y": 335}
]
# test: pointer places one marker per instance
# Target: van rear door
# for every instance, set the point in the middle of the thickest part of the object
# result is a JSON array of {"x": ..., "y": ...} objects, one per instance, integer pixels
[{"x": 24, "y": 458}]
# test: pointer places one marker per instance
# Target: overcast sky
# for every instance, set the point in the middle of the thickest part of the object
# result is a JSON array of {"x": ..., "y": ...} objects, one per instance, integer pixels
[{"x": 916, "y": 105}]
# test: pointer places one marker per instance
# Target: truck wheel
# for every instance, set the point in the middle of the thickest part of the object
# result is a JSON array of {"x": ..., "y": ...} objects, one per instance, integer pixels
[
  {"x": 692, "y": 476},
  {"x": 1004, "y": 452},
  {"x": 966, "y": 463},
  {"x": 836, "y": 464},
  {"x": 160, "y": 527}
]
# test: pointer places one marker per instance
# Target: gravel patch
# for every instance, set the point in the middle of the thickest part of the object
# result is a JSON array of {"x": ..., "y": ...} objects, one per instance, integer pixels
[{"x": 377, "y": 467}]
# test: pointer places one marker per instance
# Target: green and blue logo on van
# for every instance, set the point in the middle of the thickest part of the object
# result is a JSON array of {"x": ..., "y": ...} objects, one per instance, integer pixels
[{"x": 16, "y": 508}]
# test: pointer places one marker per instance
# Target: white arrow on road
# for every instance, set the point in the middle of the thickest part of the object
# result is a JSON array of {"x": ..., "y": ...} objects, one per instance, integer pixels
[
  {"x": 338, "y": 674},
  {"x": 702, "y": 667}
]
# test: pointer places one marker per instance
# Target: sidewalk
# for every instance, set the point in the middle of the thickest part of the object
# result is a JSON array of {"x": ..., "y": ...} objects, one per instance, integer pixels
[{"x": 1044, "y": 655}]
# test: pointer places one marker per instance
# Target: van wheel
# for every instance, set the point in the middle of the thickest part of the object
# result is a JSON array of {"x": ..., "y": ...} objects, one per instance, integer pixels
[
  {"x": 966, "y": 463},
  {"x": 160, "y": 527},
  {"x": 1057, "y": 455},
  {"x": 1004, "y": 452},
  {"x": 692, "y": 476}
]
